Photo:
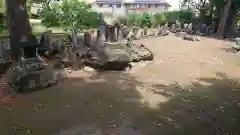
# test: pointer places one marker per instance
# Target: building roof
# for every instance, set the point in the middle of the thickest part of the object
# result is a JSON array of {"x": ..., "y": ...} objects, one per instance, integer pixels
[
  {"x": 148, "y": 2},
  {"x": 109, "y": 1},
  {"x": 133, "y": 1}
]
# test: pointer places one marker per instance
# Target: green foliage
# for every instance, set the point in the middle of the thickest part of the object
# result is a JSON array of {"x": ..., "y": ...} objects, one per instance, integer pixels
[
  {"x": 152, "y": 20},
  {"x": 73, "y": 15},
  {"x": 49, "y": 16},
  {"x": 147, "y": 20},
  {"x": 123, "y": 20},
  {"x": 160, "y": 18},
  {"x": 135, "y": 19},
  {"x": 2, "y": 6},
  {"x": 28, "y": 5},
  {"x": 184, "y": 16}
]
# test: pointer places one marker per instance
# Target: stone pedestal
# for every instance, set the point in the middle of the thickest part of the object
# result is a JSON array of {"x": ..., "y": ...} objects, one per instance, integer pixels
[
  {"x": 5, "y": 58},
  {"x": 31, "y": 72}
]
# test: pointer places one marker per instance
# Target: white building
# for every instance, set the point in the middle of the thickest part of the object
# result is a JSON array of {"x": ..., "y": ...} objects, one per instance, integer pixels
[{"x": 121, "y": 7}]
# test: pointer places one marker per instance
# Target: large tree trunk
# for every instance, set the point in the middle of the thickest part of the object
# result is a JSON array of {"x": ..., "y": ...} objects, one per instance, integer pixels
[
  {"x": 19, "y": 25},
  {"x": 230, "y": 27},
  {"x": 223, "y": 19},
  {"x": 211, "y": 11}
]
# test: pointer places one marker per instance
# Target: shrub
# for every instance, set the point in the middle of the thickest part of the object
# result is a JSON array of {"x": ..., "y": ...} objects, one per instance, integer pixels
[
  {"x": 73, "y": 15},
  {"x": 141, "y": 20},
  {"x": 183, "y": 16},
  {"x": 49, "y": 16},
  {"x": 147, "y": 20},
  {"x": 160, "y": 18}
]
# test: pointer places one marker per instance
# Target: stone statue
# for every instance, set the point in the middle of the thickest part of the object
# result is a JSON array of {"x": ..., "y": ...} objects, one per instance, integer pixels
[
  {"x": 185, "y": 26},
  {"x": 145, "y": 31},
  {"x": 190, "y": 28},
  {"x": 238, "y": 41},
  {"x": 87, "y": 39},
  {"x": 178, "y": 25},
  {"x": 164, "y": 30},
  {"x": 74, "y": 39},
  {"x": 173, "y": 28},
  {"x": 125, "y": 30},
  {"x": 66, "y": 49},
  {"x": 102, "y": 28},
  {"x": 135, "y": 29}
]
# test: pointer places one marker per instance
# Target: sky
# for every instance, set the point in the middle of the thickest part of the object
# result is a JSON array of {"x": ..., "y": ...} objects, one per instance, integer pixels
[{"x": 174, "y": 3}]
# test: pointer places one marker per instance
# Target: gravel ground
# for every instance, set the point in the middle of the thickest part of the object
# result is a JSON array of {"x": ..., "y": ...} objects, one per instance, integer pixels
[{"x": 191, "y": 88}]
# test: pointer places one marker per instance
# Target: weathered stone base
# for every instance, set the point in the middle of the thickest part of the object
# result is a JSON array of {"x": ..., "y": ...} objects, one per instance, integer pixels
[
  {"x": 30, "y": 81},
  {"x": 4, "y": 66},
  {"x": 107, "y": 66},
  {"x": 191, "y": 38},
  {"x": 140, "y": 53},
  {"x": 235, "y": 46}
]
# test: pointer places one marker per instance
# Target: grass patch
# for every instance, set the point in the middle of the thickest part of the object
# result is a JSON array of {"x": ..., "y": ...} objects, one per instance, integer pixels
[{"x": 37, "y": 28}]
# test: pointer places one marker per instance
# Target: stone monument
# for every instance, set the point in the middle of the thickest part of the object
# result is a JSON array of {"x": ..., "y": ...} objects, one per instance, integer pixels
[
  {"x": 178, "y": 24},
  {"x": 108, "y": 54},
  {"x": 173, "y": 28},
  {"x": 190, "y": 28},
  {"x": 185, "y": 26},
  {"x": 31, "y": 72},
  {"x": 5, "y": 58},
  {"x": 236, "y": 45}
]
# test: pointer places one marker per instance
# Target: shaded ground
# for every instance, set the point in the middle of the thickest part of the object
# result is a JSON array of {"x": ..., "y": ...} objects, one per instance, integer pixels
[{"x": 189, "y": 89}]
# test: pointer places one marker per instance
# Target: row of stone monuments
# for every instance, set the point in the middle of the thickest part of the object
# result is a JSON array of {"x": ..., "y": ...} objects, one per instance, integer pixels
[
  {"x": 31, "y": 71},
  {"x": 186, "y": 33},
  {"x": 190, "y": 28},
  {"x": 108, "y": 49},
  {"x": 116, "y": 52}
]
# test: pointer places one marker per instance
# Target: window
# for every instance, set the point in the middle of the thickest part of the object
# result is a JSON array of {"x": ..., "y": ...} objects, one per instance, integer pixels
[
  {"x": 157, "y": 5},
  {"x": 100, "y": 5},
  {"x": 149, "y": 5},
  {"x": 119, "y": 5},
  {"x": 127, "y": 5},
  {"x": 110, "y": 5}
]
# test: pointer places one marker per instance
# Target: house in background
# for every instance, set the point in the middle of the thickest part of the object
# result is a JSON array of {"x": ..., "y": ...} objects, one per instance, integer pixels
[{"x": 122, "y": 7}]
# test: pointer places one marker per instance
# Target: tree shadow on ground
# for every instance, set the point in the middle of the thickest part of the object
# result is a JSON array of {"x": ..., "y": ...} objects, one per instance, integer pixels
[
  {"x": 208, "y": 106},
  {"x": 105, "y": 100}
]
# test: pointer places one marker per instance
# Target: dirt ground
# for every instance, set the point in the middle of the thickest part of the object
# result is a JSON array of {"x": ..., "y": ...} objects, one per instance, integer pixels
[{"x": 190, "y": 88}]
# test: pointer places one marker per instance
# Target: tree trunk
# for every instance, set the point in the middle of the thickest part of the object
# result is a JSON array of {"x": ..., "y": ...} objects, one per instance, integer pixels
[
  {"x": 231, "y": 23},
  {"x": 223, "y": 19},
  {"x": 19, "y": 25},
  {"x": 211, "y": 11}
]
